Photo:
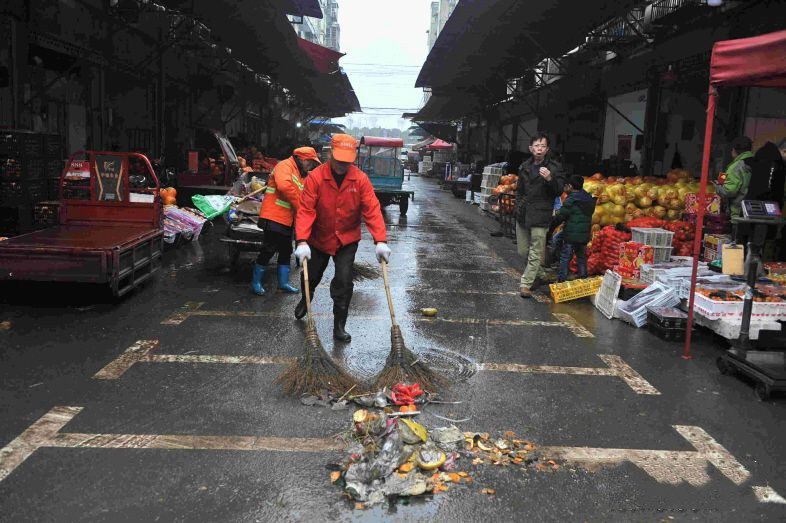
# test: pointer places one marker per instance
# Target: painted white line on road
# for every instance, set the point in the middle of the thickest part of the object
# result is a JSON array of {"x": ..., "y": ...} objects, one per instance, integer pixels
[
  {"x": 141, "y": 352},
  {"x": 39, "y": 434},
  {"x": 768, "y": 495},
  {"x": 46, "y": 433},
  {"x": 575, "y": 327},
  {"x": 665, "y": 466},
  {"x": 616, "y": 368},
  {"x": 122, "y": 363},
  {"x": 194, "y": 309}
]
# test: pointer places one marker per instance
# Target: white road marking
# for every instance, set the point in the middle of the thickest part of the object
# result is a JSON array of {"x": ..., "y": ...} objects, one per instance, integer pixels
[
  {"x": 616, "y": 368},
  {"x": 195, "y": 309},
  {"x": 768, "y": 495},
  {"x": 141, "y": 352},
  {"x": 665, "y": 466},
  {"x": 575, "y": 327}
]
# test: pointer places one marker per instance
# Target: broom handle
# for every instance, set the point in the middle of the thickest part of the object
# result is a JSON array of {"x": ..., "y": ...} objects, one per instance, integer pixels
[
  {"x": 387, "y": 291},
  {"x": 308, "y": 290}
]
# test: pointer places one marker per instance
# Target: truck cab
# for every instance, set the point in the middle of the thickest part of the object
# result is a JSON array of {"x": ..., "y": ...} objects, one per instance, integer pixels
[{"x": 380, "y": 159}]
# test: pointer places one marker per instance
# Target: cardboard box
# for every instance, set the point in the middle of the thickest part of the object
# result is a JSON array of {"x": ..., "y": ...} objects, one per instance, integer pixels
[
  {"x": 712, "y": 203},
  {"x": 733, "y": 260},
  {"x": 632, "y": 256},
  {"x": 713, "y": 245}
]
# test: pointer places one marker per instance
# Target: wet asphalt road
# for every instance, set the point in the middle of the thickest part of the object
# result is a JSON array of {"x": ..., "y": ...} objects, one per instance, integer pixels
[{"x": 58, "y": 337}]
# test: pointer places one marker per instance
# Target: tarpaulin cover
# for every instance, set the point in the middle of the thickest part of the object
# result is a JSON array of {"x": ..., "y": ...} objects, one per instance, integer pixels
[
  {"x": 754, "y": 62},
  {"x": 375, "y": 141},
  {"x": 440, "y": 144},
  {"x": 325, "y": 60}
]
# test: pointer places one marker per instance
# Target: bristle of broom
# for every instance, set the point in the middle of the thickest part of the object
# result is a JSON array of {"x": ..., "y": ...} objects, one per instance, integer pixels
[
  {"x": 314, "y": 372},
  {"x": 361, "y": 271},
  {"x": 402, "y": 366}
]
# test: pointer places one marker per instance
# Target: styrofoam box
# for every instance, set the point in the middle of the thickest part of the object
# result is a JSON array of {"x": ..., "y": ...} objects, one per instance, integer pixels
[{"x": 733, "y": 309}]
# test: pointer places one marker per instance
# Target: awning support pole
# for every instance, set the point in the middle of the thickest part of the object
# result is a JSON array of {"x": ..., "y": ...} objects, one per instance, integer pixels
[
  {"x": 639, "y": 129},
  {"x": 705, "y": 169}
]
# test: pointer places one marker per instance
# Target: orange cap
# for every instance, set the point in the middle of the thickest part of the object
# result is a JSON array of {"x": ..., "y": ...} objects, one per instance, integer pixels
[
  {"x": 306, "y": 153},
  {"x": 344, "y": 147}
]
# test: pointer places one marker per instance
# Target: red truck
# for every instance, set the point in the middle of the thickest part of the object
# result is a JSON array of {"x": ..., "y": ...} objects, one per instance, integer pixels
[{"x": 110, "y": 228}]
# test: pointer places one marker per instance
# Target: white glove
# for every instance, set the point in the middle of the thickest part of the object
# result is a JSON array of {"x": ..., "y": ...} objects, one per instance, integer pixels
[
  {"x": 303, "y": 251},
  {"x": 383, "y": 252}
]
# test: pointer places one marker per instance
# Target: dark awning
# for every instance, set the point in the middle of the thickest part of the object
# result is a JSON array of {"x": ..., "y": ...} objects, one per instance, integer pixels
[
  {"x": 499, "y": 39},
  {"x": 302, "y": 7},
  {"x": 446, "y": 107}
]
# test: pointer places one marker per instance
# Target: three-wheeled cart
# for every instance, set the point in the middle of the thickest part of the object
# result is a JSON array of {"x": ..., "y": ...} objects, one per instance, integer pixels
[
  {"x": 379, "y": 159},
  {"x": 206, "y": 174},
  {"x": 110, "y": 228}
]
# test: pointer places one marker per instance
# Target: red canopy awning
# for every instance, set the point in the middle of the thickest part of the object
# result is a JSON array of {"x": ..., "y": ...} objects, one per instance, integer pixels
[
  {"x": 325, "y": 60},
  {"x": 375, "y": 141},
  {"x": 439, "y": 144},
  {"x": 752, "y": 62}
]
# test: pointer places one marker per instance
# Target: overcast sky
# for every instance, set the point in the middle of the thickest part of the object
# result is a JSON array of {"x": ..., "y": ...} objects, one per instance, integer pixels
[{"x": 385, "y": 45}]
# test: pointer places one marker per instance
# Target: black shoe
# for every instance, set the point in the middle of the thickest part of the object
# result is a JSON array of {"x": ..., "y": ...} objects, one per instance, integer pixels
[
  {"x": 301, "y": 309},
  {"x": 339, "y": 323}
]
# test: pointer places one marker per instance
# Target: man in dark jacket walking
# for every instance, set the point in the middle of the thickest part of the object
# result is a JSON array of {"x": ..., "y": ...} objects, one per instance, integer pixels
[
  {"x": 576, "y": 212},
  {"x": 540, "y": 182}
]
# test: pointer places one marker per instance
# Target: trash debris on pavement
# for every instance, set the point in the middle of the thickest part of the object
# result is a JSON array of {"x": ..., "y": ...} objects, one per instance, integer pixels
[
  {"x": 389, "y": 456},
  {"x": 429, "y": 312}
]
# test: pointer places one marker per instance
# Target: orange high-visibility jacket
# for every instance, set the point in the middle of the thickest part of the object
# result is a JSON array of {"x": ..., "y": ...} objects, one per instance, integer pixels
[
  {"x": 282, "y": 195},
  {"x": 329, "y": 217}
]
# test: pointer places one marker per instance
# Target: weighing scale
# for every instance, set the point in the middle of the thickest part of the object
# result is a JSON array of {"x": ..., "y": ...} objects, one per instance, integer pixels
[{"x": 766, "y": 368}]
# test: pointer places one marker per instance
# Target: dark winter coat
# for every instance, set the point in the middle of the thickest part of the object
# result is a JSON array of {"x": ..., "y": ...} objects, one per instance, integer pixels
[
  {"x": 535, "y": 196},
  {"x": 576, "y": 212},
  {"x": 769, "y": 175}
]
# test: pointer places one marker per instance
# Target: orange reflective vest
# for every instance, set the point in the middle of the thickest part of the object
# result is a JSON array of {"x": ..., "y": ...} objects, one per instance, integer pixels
[{"x": 282, "y": 195}]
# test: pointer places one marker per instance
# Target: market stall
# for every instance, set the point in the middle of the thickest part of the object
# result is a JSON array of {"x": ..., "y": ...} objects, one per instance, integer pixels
[{"x": 750, "y": 62}]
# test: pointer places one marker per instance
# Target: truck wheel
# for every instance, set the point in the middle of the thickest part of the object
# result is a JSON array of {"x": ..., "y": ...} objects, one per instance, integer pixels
[{"x": 403, "y": 205}]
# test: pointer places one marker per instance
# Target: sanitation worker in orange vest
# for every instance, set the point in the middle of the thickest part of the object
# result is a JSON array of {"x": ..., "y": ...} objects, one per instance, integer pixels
[
  {"x": 336, "y": 195},
  {"x": 281, "y": 203}
]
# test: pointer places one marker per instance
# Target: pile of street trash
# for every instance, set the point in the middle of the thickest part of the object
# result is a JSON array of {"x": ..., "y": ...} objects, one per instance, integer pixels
[{"x": 390, "y": 455}]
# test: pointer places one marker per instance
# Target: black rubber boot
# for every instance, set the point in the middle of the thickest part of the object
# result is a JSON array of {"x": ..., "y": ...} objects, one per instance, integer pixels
[
  {"x": 300, "y": 310},
  {"x": 339, "y": 323}
]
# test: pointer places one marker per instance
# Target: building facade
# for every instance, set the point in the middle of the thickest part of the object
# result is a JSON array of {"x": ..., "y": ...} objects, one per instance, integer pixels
[{"x": 323, "y": 31}]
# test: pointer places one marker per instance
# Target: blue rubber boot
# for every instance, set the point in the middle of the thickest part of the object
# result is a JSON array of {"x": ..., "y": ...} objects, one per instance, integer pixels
[
  {"x": 283, "y": 280},
  {"x": 256, "y": 282}
]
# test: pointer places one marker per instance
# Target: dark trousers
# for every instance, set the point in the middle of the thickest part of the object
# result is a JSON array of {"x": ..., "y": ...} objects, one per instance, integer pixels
[
  {"x": 567, "y": 252},
  {"x": 342, "y": 286},
  {"x": 275, "y": 242}
]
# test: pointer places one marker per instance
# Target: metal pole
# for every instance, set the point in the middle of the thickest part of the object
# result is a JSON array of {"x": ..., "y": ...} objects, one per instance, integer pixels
[{"x": 705, "y": 169}]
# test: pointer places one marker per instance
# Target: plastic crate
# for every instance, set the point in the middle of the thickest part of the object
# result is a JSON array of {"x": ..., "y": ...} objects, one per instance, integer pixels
[
  {"x": 573, "y": 290},
  {"x": 652, "y": 236},
  {"x": 661, "y": 254},
  {"x": 606, "y": 298},
  {"x": 667, "y": 334},
  {"x": 667, "y": 317},
  {"x": 46, "y": 213},
  {"x": 31, "y": 145}
]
